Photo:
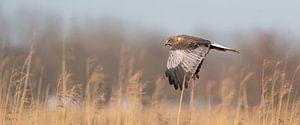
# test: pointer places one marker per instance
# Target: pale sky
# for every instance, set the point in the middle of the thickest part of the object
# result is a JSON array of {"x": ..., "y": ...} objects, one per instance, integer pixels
[{"x": 177, "y": 16}]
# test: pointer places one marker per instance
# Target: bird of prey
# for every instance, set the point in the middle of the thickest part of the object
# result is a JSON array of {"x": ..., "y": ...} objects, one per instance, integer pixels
[{"x": 187, "y": 54}]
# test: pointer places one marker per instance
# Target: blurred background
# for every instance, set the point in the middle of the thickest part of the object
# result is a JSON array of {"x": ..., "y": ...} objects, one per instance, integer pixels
[{"x": 115, "y": 33}]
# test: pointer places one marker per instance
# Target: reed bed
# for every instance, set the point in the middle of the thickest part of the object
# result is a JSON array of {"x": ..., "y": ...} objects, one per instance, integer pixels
[{"x": 26, "y": 100}]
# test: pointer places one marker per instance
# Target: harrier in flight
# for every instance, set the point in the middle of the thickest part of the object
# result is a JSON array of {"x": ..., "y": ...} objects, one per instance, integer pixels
[{"x": 187, "y": 54}]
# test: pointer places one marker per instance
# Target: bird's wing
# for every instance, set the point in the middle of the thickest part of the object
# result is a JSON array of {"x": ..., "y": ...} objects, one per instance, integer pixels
[{"x": 182, "y": 64}]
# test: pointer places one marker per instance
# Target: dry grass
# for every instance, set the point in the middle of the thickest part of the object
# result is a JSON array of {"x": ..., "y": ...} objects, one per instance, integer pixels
[{"x": 23, "y": 100}]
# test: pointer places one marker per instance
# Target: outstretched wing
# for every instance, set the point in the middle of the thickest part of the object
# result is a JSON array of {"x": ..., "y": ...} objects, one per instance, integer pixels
[{"x": 183, "y": 62}]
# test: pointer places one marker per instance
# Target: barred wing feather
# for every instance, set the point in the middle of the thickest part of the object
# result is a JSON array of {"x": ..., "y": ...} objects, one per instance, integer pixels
[{"x": 182, "y": 64}]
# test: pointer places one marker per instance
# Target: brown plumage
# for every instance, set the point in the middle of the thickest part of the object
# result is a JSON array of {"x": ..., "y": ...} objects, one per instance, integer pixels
[{"x": 187, "y": 54}]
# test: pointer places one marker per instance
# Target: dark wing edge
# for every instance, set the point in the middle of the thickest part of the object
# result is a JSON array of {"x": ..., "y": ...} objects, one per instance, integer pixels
[
  {"x": 177, "y": 76},
  {"x": 182, "y": 64}
]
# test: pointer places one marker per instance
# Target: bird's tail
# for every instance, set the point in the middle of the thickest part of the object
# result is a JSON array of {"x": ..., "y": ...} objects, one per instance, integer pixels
[{"x": 222, "y": 48}]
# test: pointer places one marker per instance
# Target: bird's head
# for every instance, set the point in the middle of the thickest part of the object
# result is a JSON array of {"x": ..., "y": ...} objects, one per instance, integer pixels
[{"x": 172, "y": 40}]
